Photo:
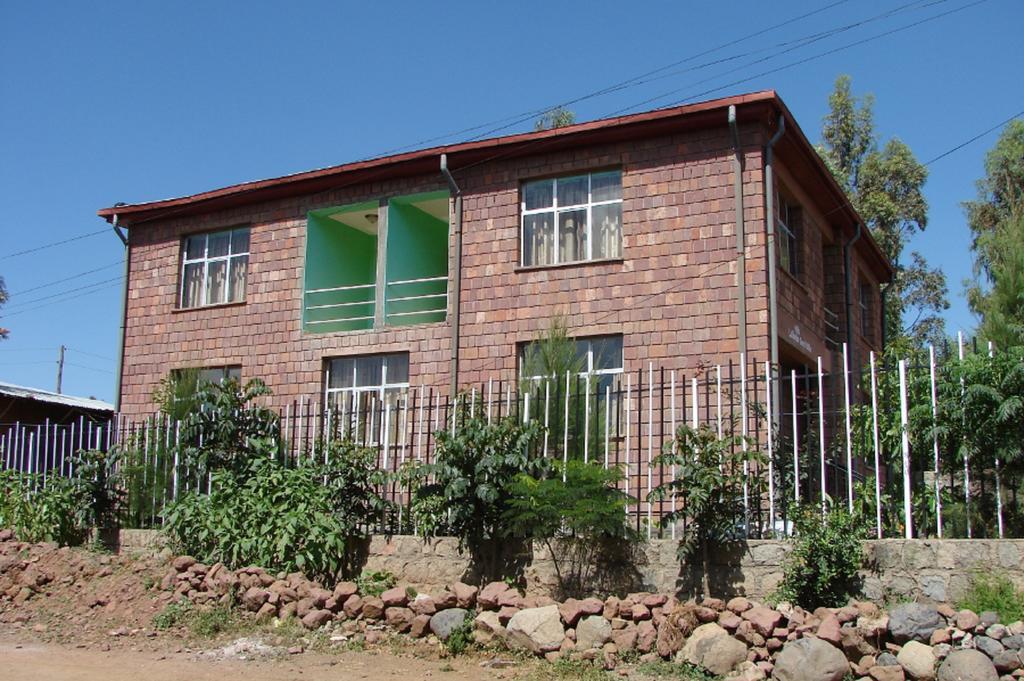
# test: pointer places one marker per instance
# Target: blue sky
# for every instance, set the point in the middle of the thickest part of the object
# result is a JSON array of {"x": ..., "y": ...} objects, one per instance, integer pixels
[{"x": 133, "y": 101}]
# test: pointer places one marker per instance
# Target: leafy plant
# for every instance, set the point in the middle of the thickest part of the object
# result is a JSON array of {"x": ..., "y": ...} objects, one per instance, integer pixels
[
  {"x": 355, "y": 484},
  {"x": 469, "y": 486},
  {"x": 177, "y": 395},
  {"x": 577, "y": 511},
  {"x": 708, "y": 484},
  {"x": 374, "y": 582},
  {"x": 56, "y": 509},
  {"x": 991, "y": 590},
  {"x": 822, "y": 568},
  {"x": 174, "y": 614},
  {"x": 460, "y": 638}
]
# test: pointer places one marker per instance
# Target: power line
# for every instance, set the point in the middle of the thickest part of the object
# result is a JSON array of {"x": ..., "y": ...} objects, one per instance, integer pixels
[
  {"x": 59, "y": 294},
  {"x": 973, "y": 139},
  {"x": 65, "y": 279},
  {"x": 82, "y": 366},
  {"x": 62, "y": 300},
  {"x": 54, "y": 244},
  {"x": 90, "y": 354}
]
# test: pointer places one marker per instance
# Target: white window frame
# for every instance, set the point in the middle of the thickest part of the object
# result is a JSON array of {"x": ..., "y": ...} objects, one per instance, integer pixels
[
  {"x": 556, "y": 210},
  {"x": 589, "y": 369},
  {"x": 380, "y": 389},
  {"x": 229, "y": 258},
  {"x": 792, "y": 244},
  {"x": 867, "y": 320}
]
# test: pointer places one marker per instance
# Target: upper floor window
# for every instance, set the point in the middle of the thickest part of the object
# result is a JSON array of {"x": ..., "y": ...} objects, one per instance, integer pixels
[
  {"x": 366, "y": 377},
  {"x": 572, "y": 219},
  {"x": 867, "y": 310},
  {"x": 214, "y": 268},
  {"x": 788, "y": 236}
]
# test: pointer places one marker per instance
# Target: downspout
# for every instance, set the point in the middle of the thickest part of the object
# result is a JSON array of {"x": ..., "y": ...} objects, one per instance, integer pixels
[
  {"x": 847, "y": 285},
  {"x": 124, "y": 313},
  {"x": 457, "y": 293},
  {"x": 773, "y": 293},
  {"x": 741, "y": 259}
]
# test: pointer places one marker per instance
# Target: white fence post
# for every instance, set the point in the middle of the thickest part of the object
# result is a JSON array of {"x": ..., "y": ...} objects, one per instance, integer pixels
[
  {"x": 935, "y": 443},
  {"x": 905, "y": 437},
  {"x": 877, "y": 448},
  {"x": 821, "y": 434},
  {"x": 849, "y": 429}
]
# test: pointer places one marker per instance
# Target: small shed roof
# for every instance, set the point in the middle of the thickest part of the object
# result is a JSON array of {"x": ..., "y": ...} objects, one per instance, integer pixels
[{"x": 35, "y": 394}]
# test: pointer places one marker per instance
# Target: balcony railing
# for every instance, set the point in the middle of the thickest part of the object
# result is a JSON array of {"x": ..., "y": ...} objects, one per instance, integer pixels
[
  {"x": 416, "y": 301},
  {"x": 350, "y": 306}
]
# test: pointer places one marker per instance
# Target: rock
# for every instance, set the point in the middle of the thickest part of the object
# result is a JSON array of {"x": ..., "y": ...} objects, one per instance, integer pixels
[
  {"x": 353, "y": 606},
  {"x": 489, "y": 595},
  {"x": 447, "y": 621},
  {"x": 320, "y": 597},
  {"x": 315, "y": 619},
  {"x": 445, "y": 600},
  {"x": 887, "y": 659},
  {"x": 967, "y": 665},
  {"x": 853, "y": 643},
  {"x": 810, "y": 659},
  {"x": 639, "y": 613},
  {"x": 572, "y": 609},
  {"x": 765, "y": 620},
  {"x": 266, "y": 611},
  {"x": 506, "y": 613},
  {"x": 712, "y": 648},
  {"x": 593, "y": 631},
  {"x": 654, "y": 600},
  {"x": 892, "y": 672},
  {"x": 988, "y": 618},
  {"x": 423, "y": 605},
  {"x": 539, "y": 630},
  {"x": 182, "y": 563},
  {"x": 646, "y": 636},
  {"x": 1006, "y": 662},
  {"x": 254, "y": 598},
  {"x": 1014, "y": 642},
  {"x": 729, "y": 620},
  {"x": 967, "y": 620},
  {"x": 738, "y": 605},
  {"x": 997, "y": 631},
  {"x": 828, "y": 630},
  {"x": 940, "y": 636},
  {"x": 989, "y": 646},
  {"x": 399, "y": 618},
  {"x": 487, "y": 627},
  {"x": 373, "y": 608},
  {"x": 918, "y": 660},
  {"x": 914, "y": 622},
  {"x": 873, "y": 626},
  {"x": 395, "y": 598},
  {"x": 345, "y": 590},
  {"x": 624, "y": 638},
  {"x": 420, "y": 626},
  {"x": 465, "y": 595}
]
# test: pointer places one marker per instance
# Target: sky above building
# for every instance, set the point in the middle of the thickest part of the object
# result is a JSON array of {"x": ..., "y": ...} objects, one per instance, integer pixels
[{"x": 136, "y": 101}]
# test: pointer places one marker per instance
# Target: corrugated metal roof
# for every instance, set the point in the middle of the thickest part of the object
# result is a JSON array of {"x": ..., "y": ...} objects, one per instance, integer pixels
[{"x": 38, "y": 395}]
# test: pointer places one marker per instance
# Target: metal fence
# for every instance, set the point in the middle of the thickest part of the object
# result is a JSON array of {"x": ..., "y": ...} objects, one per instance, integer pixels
[{"x": 818, "y": 429}]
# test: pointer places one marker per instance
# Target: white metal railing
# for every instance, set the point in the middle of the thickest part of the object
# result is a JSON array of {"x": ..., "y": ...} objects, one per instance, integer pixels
[
  {"x": 341, "y": 307},
  {"x": 432, "y": 308}
]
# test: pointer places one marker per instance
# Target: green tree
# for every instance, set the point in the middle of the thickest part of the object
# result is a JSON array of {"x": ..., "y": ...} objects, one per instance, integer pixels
[
  {"x": 885, "y": 186},
  {"x": 3, "y": 299},
  {"x": 996, "y": 220},
  {"x": 559, "y": 117}
]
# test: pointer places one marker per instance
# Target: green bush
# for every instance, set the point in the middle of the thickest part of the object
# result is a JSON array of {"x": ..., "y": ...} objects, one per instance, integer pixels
[
  {"x": 374, "y": 582},
  {"x": 461, "y": 638},
  {"x": 991, "y": 590},
  {"x": 822, "y": 568},
  {"x": 57, "y": 509}
]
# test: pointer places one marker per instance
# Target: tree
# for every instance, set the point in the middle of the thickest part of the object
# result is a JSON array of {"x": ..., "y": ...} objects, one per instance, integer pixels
[
  {"x": 996, "y": 220},
  {"x": 559, "y": 117},
  {"x": 885, "y": 186},
  {"x": 3, "y": 299}
]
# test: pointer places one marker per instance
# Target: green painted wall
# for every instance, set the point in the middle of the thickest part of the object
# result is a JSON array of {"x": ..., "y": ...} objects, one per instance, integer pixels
[
  {"x": 339, "y": 255},
  {"x": 417, "y": 249}
]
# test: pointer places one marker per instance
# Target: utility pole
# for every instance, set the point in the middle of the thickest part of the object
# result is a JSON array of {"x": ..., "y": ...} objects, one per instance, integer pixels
[{"x": 60, "y": 368}]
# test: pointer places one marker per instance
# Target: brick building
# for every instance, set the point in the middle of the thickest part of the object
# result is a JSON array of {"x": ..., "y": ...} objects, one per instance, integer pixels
[{"x": 386, "y": 273}]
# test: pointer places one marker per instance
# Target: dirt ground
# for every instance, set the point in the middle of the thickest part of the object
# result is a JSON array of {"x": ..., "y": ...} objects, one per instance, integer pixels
[{"x": 36, "y": 661}]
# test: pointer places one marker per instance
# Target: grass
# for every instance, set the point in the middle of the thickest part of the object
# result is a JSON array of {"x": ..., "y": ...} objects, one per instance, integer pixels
[
  {"x": 565, "y": 669},
  {"x": 662, "y": 669},
  {"x": 201, "y": 622},
  {"x": 460, "y": 639},
  {"x": 990, "y": 590}
]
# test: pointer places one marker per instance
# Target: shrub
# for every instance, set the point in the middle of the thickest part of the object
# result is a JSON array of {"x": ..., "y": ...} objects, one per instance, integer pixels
[
  {"x": 461, "y": 638},
  {"x": 56, "y": 509},
  {"x": 822, "y": 568},
  {"x": 374, "y": 582},
  {"x": 577, "y": 512},
  {"x": 990, "y": 590}
]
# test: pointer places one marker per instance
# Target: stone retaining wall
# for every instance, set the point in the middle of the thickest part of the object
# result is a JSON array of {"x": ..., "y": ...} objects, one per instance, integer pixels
[{"x": 896, "y": 569}]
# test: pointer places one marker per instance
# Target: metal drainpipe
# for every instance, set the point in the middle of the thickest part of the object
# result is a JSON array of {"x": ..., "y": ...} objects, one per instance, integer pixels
[
  {"x": 741, "y": 260},
  {"x": 124, "y": 313},
  {"x": 456, "y": 298},
  {"x": 849, "y": 294},
  {"x": 773, "y": 298}
]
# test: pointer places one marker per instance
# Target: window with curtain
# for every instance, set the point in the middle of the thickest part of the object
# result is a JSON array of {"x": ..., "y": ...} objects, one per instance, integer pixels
[
  {"x": 382, "y": 377},
  {"x": 788, "y": 235},
  {"x": 572, "y": 219},
  {"x": 214, "y": 267}
]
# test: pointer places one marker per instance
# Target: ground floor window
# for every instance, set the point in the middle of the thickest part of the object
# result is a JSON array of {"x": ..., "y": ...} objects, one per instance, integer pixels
[{"x": 363, "y": 378}]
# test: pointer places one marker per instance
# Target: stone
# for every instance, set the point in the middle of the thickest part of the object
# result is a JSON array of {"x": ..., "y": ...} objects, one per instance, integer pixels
[
  {"x": 914, "y": 622},
  {"x": 1014, "y": 642},
  {"x": 315, "y": 619},
  {"x": 572, "y": 609},
  {"x": 395, "y": 598},
  {"x": 712, "y": 648},
  {"x": 989, "y": 646},
  {"x": 423, "y": 605},
  {"x": 506, "y": 613},
  {"x": 465, "y": 594},
  {"x": 765, "y": 620},
  {"x": 446, "y": 599},
  {"x": 182, "y": 563},
  {"x": 940, "y": 636},
  {"x": 738, "y": 605},
  {"x": 420, "y": 626},
  {"x": 646, "y": 636},
  {"x": 997, "y": 631},
  {"x": 967, "y": 665},
  {"x": 353, "y": 606},
  {"x": 624, "y": 638},
  {"x": 810, "y": 659},
  {"x": 489, "y": 595},
  {"x": 873, "y": 626},
  {"x": 967, "y": 620},
  {"x": 639, "y": 612},
  {"x": 729, "y": 620},
  {"x": 266, "y": 611},
  {"x": 399, "y": 618},
  {"x": 829, "y": 630},
  {"x": 654, "y": 600},
  {"x": 918, "y": 660},
  {"x": 320, "y": 597},
  {"x": 1007, "y": 661},
  {"x": 988, "y": 618},
  {"x": 538, "y": 630},
  {"x": 892, "y": 672},
  {"x": 593, "y": 631},
  {"x": 373, "y": 608},
  {"x": 254, "y": 598},
  {"x": 487, "y": 627},
  {"x": 442, "y": 624},
  {"x": 345, "y": 590},
  {"x": 854, "y": 644}
]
